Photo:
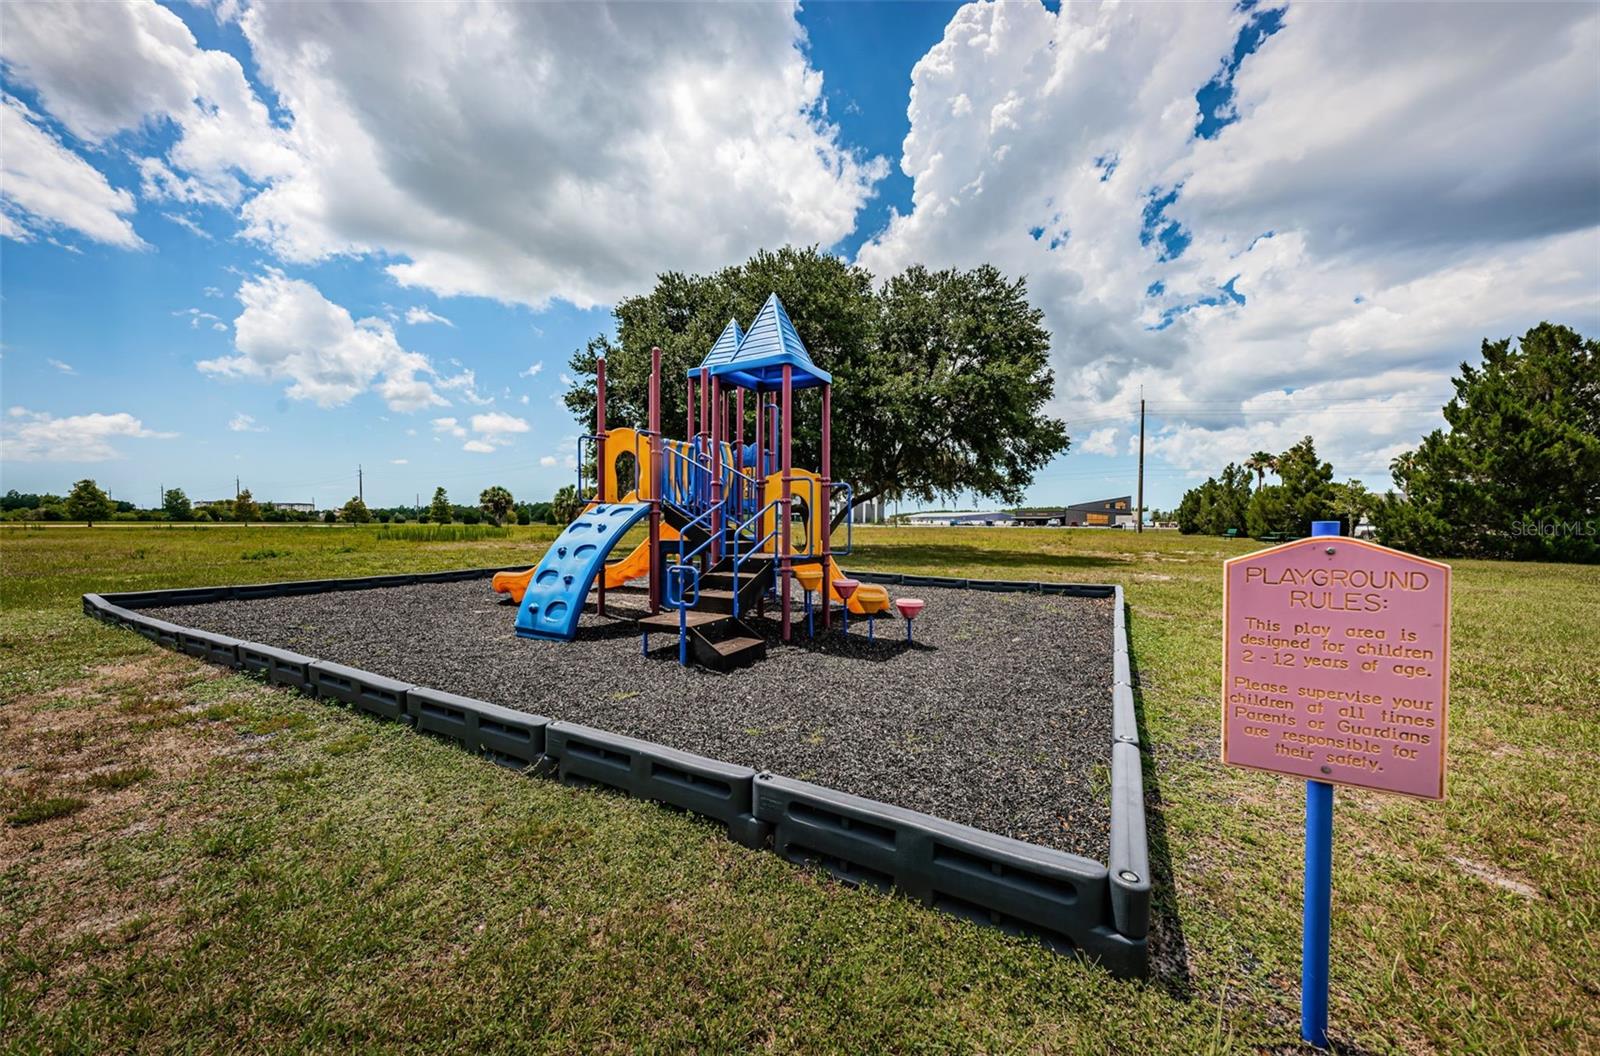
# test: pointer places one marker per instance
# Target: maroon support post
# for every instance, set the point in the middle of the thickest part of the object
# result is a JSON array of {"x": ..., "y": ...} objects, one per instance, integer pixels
[
  {"x": 738, "y": 432},
  {"x": 788, "y": 518},
  {"x": 600, "y": 463},
  {"x": 705, "y": 395},
  {"x": 827, "y": 501},
  {"x": 655, "y": 482}
]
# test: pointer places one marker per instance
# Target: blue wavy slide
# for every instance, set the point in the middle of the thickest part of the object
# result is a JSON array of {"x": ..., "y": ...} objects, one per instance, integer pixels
[{"x": 555, "y": 596}]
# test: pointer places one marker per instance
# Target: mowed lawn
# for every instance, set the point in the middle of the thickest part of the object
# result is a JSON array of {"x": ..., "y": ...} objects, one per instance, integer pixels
[{"x": 190, "y": 859}]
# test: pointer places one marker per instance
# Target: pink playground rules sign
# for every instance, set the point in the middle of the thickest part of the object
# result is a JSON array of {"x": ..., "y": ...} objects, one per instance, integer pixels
[{"x": 1336, "y": 664}]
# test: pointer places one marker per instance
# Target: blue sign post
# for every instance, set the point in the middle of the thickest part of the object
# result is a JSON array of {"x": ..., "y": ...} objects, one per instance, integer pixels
[{"x": 1315, "y": 926}]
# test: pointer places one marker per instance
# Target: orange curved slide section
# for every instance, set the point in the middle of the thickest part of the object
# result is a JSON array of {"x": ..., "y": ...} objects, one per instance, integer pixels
[{"x": 635, "y": 566}]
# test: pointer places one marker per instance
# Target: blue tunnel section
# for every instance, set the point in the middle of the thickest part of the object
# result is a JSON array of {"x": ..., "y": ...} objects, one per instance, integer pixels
[{"x": 554, "y": 599}]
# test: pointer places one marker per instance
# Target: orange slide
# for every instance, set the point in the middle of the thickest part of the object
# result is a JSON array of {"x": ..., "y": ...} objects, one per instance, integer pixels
[{"x": 635, "y": 566}]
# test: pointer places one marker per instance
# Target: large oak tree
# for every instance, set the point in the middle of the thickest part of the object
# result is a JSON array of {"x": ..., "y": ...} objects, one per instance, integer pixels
[{"x": 940, "y": 378}]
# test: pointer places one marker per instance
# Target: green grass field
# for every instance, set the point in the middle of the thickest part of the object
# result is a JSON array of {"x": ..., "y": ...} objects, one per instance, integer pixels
[{"x": 192, "y": 860}]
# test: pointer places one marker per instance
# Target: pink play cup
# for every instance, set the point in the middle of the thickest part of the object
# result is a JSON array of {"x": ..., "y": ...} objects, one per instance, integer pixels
[
  {"x": 910, "y": 608},
  {"x": 846, "y": 587}
]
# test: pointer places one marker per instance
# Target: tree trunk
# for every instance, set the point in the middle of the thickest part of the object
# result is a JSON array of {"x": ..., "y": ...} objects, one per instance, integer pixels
[{"x": 839, "y": 518}]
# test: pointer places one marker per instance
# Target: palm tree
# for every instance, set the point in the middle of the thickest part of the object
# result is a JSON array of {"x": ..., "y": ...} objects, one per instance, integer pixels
[{"x": 1259, "y": 463}]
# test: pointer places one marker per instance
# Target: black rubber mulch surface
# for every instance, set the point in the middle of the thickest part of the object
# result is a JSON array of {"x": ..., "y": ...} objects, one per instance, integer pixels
[{"x": 999, "y": 716}]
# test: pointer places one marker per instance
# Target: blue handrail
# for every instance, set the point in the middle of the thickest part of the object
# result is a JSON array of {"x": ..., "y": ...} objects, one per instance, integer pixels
[
  {"x": 754, "y": 546},
  {"x": 849, "y": 529},
  {"x": 676, "y": 576},
  {"x": 593, "y": 439}
]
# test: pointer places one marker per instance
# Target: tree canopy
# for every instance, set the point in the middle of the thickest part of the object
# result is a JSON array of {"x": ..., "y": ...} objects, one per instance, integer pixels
[
  {"x": 941, "y": 378},
  {"x": 565, "y": 507},
  {"x": 86, "y": 502},
  {"x": 176, "y": 504},
  {"x": 1305, "y": 492},
  {"x": 497, "y": 502},
  {"x": 1518, "y": 472},
  {"x": 355, "y": 511},
  {"x": 439, "y": 511},
  {"x": 245, "y": 508}
]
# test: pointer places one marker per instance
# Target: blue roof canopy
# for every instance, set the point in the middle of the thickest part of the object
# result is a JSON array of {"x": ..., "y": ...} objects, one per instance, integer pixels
[
  {"x": 771, "y": 344},
  {"x": 723, "y": 349}
]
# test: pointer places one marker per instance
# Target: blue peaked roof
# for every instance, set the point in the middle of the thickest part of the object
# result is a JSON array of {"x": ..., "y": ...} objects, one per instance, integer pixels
[
  {"x": 723, "y": 349},
  {"x": 771, "y": 344}
]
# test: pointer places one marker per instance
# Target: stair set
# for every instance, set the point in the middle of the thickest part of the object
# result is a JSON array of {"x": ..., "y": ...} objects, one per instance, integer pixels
[{"x": 708, "y": 602}]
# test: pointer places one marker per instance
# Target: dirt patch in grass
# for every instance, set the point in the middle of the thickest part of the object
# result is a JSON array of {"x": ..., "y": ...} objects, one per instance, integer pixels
[
  {"x": 77, "y": 898},
  {"x": 1490, "y": 875}
]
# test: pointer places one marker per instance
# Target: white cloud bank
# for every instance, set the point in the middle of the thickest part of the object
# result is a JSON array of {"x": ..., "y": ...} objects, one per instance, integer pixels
[
  {"x": 1396, "y": 183},
  {"x": 522, "y": 152},
  {"x": 45, "y": 187},
  {"x": 36, "y": 436},
  {"x": 289, "y": 332}
]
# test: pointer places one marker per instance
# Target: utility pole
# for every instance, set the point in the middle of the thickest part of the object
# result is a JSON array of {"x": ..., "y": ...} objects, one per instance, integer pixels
[
  {"x": 1140, "y": 523},
  {"x": 235, "y": 489},
  {"x": 360, "y": 485}
]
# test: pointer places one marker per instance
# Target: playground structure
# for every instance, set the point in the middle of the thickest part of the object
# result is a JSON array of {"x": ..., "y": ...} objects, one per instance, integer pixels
[{"x": 742, "y": 526}]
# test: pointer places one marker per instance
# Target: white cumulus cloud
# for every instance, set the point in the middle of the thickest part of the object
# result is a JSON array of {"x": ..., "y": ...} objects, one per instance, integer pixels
[
  {"x": 244, "y": 423},
  {"x": 290, "y": 332},
  {"x": 108, "y": 68},
  {"x": 494, "y": 429},
  {"x": 496, "y": 160},
  {"x": 1098, "y": 442},
  {"x": 36, "y": 436},
  {"x": 45, "y": 187},
  {"x": 1378, "y": 188},
  {"x": 417, "y": 315}
]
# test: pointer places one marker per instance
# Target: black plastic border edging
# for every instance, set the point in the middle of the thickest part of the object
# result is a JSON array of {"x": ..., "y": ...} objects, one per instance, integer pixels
[
  {"x": 1010, "y": 884},
  {"x": 718, "y": 790}
]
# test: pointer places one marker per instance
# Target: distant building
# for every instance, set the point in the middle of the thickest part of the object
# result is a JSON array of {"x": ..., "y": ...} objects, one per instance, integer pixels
[
  {"x": 869, "y": 512},
  {"x": 293, "y": 507},
  {"x": 979, "y": 519},
  {"x": 1102, "y": 513}
]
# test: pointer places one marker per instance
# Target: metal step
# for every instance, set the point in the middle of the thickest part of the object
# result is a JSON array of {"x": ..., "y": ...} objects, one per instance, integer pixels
[
  {"x": 733, "y": 651},
  {"x": 748, "y": 574},
  {"x": 719, "y": 601},
  {"x": 667, "y": 620}
]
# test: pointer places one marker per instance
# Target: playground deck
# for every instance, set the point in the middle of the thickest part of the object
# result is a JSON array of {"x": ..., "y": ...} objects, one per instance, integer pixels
[{"x": 999, "y": 716}]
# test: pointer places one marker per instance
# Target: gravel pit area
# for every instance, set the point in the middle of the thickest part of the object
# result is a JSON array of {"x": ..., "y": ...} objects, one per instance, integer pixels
[{"x": 998, "y": 716}]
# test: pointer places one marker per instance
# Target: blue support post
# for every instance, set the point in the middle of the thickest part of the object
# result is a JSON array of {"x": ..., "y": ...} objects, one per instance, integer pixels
[
  {"x": 1318, "y": 908},
  {"x": 1315, "y": 924}
]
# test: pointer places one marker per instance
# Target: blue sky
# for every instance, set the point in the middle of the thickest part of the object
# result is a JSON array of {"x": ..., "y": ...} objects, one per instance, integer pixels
[{"x": 243, "y": 240}]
